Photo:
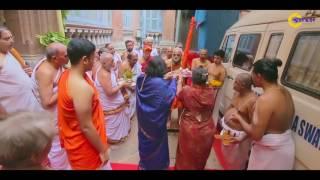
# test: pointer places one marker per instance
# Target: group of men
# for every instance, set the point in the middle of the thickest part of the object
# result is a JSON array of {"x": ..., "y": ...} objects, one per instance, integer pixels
[
  {"x": 94, "y": 100},
  {"x": 91, "y": 102}
]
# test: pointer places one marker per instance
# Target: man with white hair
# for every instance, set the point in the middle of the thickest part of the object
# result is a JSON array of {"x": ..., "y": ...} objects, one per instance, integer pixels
[
  {"x": 149, "y": 42},
  {"x": 25, "y": 140}
]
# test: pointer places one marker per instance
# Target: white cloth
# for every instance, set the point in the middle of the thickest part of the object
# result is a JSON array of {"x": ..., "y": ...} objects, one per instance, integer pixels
[
  {"x": 57, "y": 155},
  {"x": 273, "y": 152},
  {"x": 136, "y": 70},
  {"x": 16, "y": 91},
  {"x": 117, "y": 62},
  {"x": 238, "y": 135},
  {"x": 117, "y": 125},
  {"x": 218, "y": 103},
  {"x": 236, "y": 155},
  {"x": 107, "y": 166}
]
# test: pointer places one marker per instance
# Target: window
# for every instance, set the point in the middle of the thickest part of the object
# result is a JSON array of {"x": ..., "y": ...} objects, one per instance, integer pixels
[
  {"x": 302, "y": 71},
  {"x": 127, "y": 19},
  {"x": 154, "y": 20},
  {"x": 246, "y": 51},
  {"x": 273, "y": 46},
  {"x": 227, "y": 47},
  {"x": 99, "y": 18}
]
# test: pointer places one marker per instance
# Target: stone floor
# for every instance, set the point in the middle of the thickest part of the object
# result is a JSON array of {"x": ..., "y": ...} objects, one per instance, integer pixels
[{"x": 127, "y": 152}]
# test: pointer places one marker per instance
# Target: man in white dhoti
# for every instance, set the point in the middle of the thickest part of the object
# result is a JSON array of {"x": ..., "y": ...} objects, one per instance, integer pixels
[
  {"x": 236, "y": 154},
  {"x": 45, "y": 77},
  {"x": 16, "y": 92},
  {"x": 130, "y": 69},
  {"x": 115, "y": 107},
  {"x": 273, "y": 147}
]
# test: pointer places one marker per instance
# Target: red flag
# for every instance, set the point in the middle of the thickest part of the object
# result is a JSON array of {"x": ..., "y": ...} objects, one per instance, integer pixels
[{"x": 188, "y": 43}]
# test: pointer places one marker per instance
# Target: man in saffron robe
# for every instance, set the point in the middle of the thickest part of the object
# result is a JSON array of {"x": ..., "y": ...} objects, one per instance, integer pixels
[{"x": 154, "y": 98}]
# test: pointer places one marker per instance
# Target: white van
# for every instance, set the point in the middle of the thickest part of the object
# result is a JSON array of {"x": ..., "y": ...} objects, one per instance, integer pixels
[{"x": 262, "y": 34}]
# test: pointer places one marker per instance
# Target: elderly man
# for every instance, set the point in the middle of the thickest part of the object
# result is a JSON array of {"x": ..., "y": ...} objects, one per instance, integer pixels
[
  {"x": 45, "y": 77},
  {"x": 114, "y": 104},
  {"x": 148, "y": 42},
  {"x": 236, "y": 154},
  {"x": 25, "y": 140},
  {"x": 270, "y": 128},
  {"x": 202, "y": 60},
  {"x": 131, "y": 69},
  {"x": 16, "y": 92}
]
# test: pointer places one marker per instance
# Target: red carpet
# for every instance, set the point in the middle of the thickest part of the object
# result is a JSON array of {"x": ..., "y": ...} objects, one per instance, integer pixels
[
  {"x": 216, "y": 148},
  {"x": 122, "y": 166},
  {"x": 219, "y": 155}
]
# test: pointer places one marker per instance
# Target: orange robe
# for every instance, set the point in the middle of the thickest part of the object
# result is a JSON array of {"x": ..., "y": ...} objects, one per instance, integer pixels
[{"x": 81, "y": 154}]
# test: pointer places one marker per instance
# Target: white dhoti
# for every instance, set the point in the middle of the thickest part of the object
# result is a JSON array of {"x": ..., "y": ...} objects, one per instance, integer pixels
[
  {"x": 236, "y": 155},
  {"x": 132, "y": 105},
  {"x": 107, "y": 166},
  {"x": 57, "y": 156},
  {"x": 118, "y": 125},
  {"x": 117, "y": 116},
  {"x": 273, "y": 152}
]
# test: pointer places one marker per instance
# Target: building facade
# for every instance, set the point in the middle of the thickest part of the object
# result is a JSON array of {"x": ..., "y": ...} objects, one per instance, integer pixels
[{"x": 98, "y": 26}]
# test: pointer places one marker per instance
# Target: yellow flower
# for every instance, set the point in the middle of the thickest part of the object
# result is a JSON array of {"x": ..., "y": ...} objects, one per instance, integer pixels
[
  {"x": 128, "y": 74},
  {"x": 215, "y": 83}
]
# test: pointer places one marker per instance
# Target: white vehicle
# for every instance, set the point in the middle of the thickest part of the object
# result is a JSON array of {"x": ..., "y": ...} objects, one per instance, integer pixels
[{"x": 293, "y": 37}]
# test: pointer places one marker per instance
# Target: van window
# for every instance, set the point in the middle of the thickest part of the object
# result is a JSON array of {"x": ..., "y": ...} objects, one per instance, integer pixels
[
  {"x": 246, "y": 51},
  {"x": 273, "y": 46},
  {"x": 302, "y": 71},
  {"x": 228, "y": 47}
]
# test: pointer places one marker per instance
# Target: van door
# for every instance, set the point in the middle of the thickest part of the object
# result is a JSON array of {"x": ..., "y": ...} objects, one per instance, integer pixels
[
  {"x": 228, "y": 46},
  {"x": 248, "y": 44}
]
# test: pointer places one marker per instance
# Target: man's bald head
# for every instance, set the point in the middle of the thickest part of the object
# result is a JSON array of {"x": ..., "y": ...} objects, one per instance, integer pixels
[
  {"x": 54, "y": 48},
  {"x": 106, "y": 56},
  {"x": 245, "y": 80},
  {"x": 203, "y": 54}
]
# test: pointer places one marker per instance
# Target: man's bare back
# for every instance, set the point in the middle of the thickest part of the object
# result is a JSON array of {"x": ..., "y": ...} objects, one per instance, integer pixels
[
  {"x": 283, "y": 109},
  {"x": 245, "y": 105}
]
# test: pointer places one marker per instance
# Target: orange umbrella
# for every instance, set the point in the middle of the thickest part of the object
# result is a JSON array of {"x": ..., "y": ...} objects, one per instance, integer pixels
[{"x": 188, "y": 43}]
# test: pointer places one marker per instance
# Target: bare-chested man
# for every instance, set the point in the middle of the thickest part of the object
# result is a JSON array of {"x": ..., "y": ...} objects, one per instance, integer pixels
[
  {"x": 45, "y": 77},
  {"x": 236, "y": 154},
  {"x": 202, "y": 60},
  {"x": 132, "y": 66},
  {"x": 216, "y": 70},
  {"x": 272, "y": 118}
]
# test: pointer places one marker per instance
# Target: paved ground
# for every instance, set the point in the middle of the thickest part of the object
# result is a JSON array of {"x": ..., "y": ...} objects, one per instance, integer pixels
[{"x": 127, "y": 152}]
